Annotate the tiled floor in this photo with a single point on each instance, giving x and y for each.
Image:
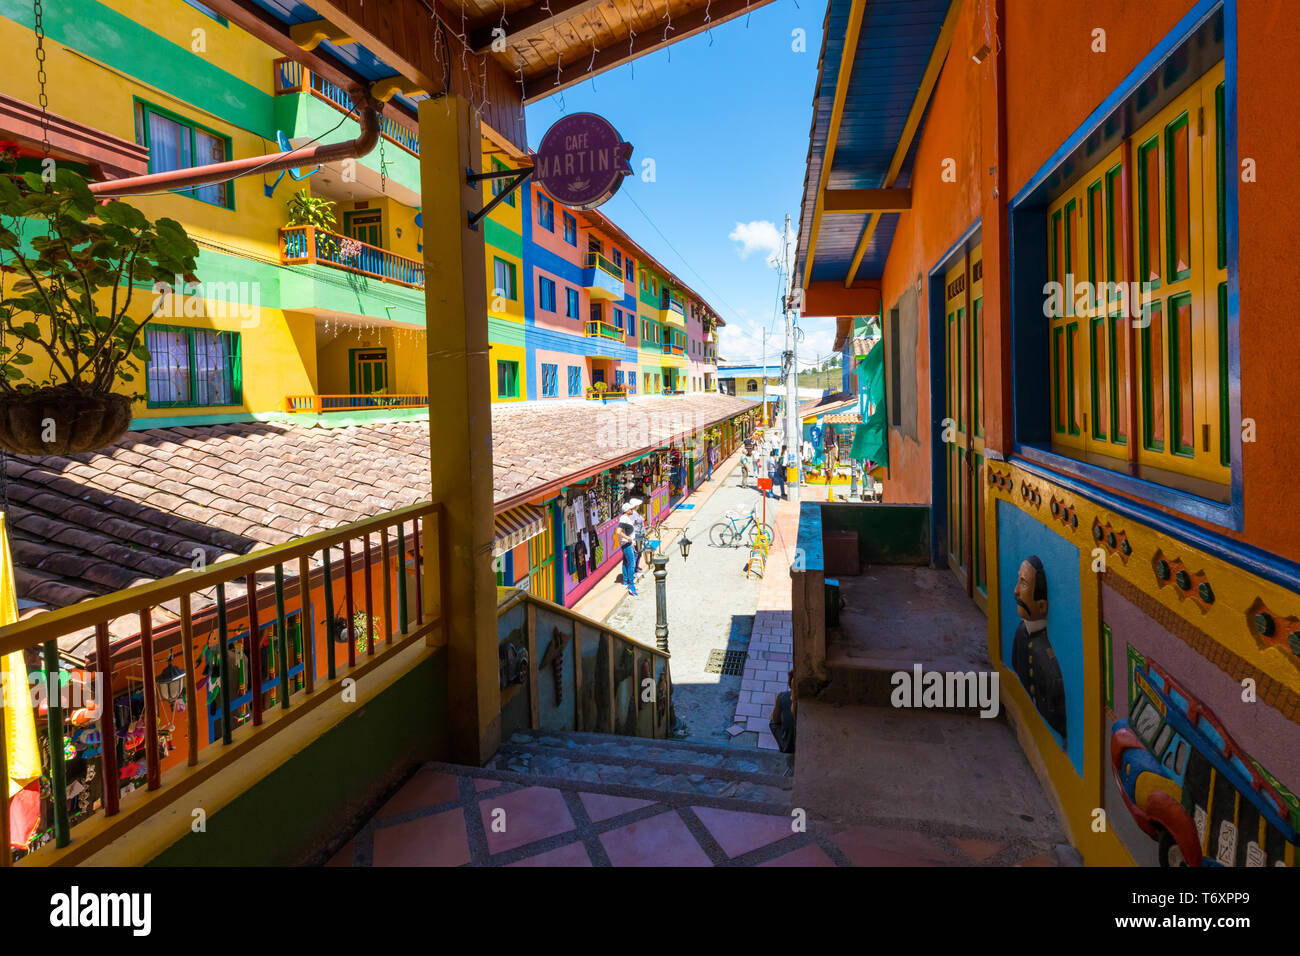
(454, 816)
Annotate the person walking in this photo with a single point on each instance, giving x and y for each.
(784, 460)
(774, 473)
(744, 468)
(623, 537)
(638, 537)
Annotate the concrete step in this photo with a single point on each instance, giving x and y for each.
(662, 766)
(859, 682)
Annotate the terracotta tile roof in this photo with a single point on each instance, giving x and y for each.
(827, 403)
(90, 524)
(846, 418)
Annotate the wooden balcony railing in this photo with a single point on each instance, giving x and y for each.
(669, 301)
(306, 244)
(595, 260)
(670, 349)
(595, 394)
(603, 330)
(327, 608)
(608, 698)
(290, 76)
(318, 404)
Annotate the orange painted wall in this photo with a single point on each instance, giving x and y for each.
(1046, 103)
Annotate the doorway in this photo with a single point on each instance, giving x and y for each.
(962, 433)
(368, 372)
(365, 225)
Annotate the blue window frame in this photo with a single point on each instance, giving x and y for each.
(629, 270)
(618, 378)
(550, 380)
(630, 382)
(203, 9)
(570, 229)
(618, 318)
(545, 212)
(546, 293)
(571, 303)
(575, 380)
(616, 257)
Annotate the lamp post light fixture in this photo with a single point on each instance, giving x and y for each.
(685, 544)
(171, 682)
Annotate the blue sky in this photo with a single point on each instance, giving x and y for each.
(726, 124)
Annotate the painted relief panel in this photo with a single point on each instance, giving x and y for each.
(1202, 763)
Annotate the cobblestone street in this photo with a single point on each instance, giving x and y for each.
(711, 606)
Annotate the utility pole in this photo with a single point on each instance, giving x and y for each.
(792, 423)
(763, 379)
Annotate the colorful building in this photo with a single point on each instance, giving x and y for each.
(1060, 227)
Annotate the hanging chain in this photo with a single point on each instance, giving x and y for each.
(383, 168)
(41, 78)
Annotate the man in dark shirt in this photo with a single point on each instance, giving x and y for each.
(782, 720)
(1032, 656)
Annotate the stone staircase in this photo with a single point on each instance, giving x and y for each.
(669, 770)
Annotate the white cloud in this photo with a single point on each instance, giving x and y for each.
(756, 236)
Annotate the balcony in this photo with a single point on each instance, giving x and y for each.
(327, 404)
(310, 246)
(292, 77)
(669, 349)
(601, 278)
(672, 310)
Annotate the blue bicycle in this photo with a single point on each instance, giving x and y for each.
(738, 525)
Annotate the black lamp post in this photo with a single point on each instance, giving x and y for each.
(660, 562)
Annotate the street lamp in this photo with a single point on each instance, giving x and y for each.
(171, 682)
(685, 545)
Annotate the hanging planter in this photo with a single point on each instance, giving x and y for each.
(70, 272)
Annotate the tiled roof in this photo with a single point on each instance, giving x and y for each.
(826, 404)
(90, 524)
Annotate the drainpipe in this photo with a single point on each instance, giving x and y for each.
(220, 172)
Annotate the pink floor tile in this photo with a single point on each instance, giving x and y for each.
(601, 806)
(427, 788)
(979, 850)
(345, 856)
(530, 815)
(482, 783)
(810, 855)
(877, 846)
(438, 840)
(739, 832)
(659, 841)
(571, 854)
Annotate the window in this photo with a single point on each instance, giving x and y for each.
(751, 385)
(618, 379)
(629, 270)
(645, 281)
(501, 185)
(570, 230)
(616, 257)
(550, 381)
(176, 143)
(618, 319)
(631, 382)
(192, 368)
(545, 212)
(507, 379)
(646, 375)
(575, 380)
(1173, 317)
(546, 293)
(571, 303)
(503, 275)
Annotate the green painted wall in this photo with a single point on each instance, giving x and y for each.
(290, 815)
(507, 240)
(887, 534)
(301, 114)
(505, 333)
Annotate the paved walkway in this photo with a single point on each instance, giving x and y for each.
(455, 816)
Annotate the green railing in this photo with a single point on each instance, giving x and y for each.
(596, 261)
(603, 330)
(290, 76)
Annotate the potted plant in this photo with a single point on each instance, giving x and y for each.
(66, 287)
(317, 212)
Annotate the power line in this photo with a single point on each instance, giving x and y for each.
(704, 281)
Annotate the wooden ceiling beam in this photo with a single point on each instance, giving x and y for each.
(866, 200)
(527, 22)
(392, 31)
(544, 83)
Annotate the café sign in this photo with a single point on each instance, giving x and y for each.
(582, 161)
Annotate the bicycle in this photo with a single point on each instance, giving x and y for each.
(727, 533)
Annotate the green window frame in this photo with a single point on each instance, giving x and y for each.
(1171, 198)
(1143, 216)
(1096, 379)
(1155, 317)
(1118, 425)
(1070, 264)
(192, 367)
(501, 185)
(191, 137)
(1174, 397)
(1221, 178)
(503, 277)
(1225, 446)
(1071, 337)
(507, 379)
(1114, 196)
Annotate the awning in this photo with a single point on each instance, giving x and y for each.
(516, 526)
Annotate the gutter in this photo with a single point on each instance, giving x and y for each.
(232, 169)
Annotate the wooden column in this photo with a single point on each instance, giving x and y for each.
(460, 425)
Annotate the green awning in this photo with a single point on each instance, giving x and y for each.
(871, 441)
